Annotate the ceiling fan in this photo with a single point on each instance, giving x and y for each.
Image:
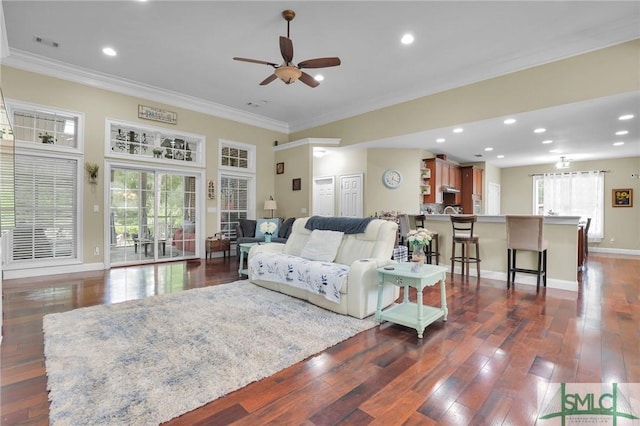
(287, 71)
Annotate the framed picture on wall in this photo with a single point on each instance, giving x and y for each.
(296, 184)
(622, 197)
(279, 168)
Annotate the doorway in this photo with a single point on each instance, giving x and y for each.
(493, 203)
(351, 198)
(324, 196)
(152, 216)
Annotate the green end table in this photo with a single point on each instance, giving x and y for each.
(244, 249)
(409, 314)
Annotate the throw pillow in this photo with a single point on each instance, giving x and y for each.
(322, 245)
(285, 229)
(247, 227)
(260, 234)
(189, 227)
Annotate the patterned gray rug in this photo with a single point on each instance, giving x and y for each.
(148, 361)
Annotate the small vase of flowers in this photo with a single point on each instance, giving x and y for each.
(268, 229)
(418, 239)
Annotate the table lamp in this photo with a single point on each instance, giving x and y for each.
(270, 204)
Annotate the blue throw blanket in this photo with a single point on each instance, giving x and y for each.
(348, 225)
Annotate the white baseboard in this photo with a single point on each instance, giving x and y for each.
(627, 252)
(527, 279)
(53, 270)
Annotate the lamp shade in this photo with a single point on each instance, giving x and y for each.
(288, 74)
(270, 205)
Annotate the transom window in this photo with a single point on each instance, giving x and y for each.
(43, 127)
(234, 155)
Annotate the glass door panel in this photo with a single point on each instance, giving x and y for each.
(153, 216)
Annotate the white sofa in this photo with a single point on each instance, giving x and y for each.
(363, 253)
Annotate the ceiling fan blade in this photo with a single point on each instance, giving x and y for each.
(308, 80)
(255, 61)
(319, 63)
(286, 48)
(268, 79)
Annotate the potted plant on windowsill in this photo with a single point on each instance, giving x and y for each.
(92, 170)
(47, 138)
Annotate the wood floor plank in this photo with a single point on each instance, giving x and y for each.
(484, 366)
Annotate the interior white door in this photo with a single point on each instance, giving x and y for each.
(351, 198)
(324, 196)
(493, 202)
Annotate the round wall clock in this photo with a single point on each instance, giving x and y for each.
(392, 178)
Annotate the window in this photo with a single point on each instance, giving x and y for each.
(48, 164)
(237, 185)
(572, 194)
(33, 125)
(234, 155)
(46, 208)
(234, 203)
(153, 144)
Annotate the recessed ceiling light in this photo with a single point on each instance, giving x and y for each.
(540, 130)
(618, 143)
(622, 132)
(488, 148)
(500, 156)
(458, 130)
(509, 121)
(319, 77)
(407, 39)
(555, 151)
(440, 140)
(109, 51)
(626, 117)
(547, 141)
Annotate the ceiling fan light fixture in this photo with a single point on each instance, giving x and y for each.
(288, 74)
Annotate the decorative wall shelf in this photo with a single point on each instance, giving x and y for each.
(128, 140)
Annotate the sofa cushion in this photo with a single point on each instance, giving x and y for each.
(285, 229)
(189, 227)
(259, 222)
(248, 227)
(322, 245)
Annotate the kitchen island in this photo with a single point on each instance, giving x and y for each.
(562, 255)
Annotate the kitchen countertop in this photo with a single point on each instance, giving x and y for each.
(550, 220)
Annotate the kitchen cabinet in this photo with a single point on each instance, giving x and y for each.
(471, 189)
(440, 173)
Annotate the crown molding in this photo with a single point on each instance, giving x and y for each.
(308, 141)
(4, 44)
(41, 65)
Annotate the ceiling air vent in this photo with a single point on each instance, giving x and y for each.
(45, 41)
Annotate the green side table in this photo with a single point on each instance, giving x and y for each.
(244, 249)
(414, 315)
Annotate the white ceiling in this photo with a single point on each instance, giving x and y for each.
(185, 48)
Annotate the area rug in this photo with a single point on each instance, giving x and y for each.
(148, 361)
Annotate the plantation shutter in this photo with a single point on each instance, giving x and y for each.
(46, 208)
(234, 202)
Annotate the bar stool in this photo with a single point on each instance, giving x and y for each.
(433, 249)
(526, 232)
(463, 235)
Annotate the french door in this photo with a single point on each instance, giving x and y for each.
(152, 215)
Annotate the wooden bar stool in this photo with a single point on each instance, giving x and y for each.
(463, 235)
(526, 232)
(433, 249)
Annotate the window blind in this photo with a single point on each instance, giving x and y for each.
(234, 202)
(46, 208)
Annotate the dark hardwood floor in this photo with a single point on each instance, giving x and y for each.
(485, 365)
